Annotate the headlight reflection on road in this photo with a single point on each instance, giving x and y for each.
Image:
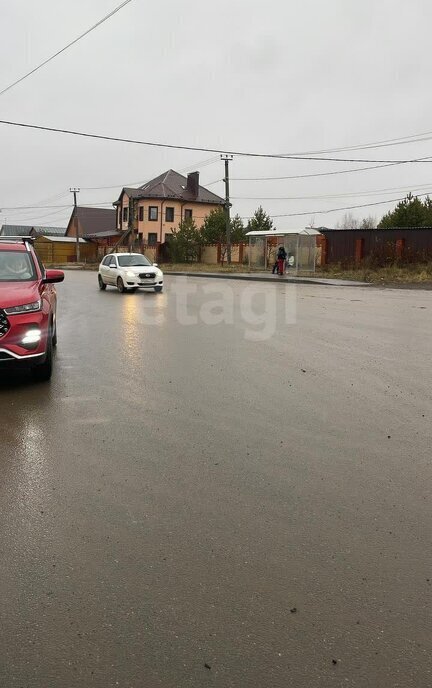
(130, 328)
(33, 476)
(139, 312)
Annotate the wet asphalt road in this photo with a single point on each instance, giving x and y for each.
(178, 491)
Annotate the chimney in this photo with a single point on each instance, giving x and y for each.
(193, 183)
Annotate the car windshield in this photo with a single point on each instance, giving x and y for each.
(134, 260)
(16, 266)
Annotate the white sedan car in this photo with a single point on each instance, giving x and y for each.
(129, 272)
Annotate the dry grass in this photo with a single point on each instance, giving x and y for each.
(391, 274)
(203, 267)
(171, 267)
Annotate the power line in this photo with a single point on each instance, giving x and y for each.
(154, 144)
(385, 143)
(308, 212)
(377, 192)
(23, 208)
(334, 210)
(245, 217)
(412, 138)
(66, 47)
(34, 218)
(38, 204)
(43, 207)
(316, 174)
(204, 163)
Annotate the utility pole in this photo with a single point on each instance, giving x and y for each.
(132, 223)
(75, 190)
(227, 159)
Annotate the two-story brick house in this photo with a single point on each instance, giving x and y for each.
(161, 204)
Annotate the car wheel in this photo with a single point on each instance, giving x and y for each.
(54, 337)
(158, 289)
(102, 285)
(120, 285)
(43, 372)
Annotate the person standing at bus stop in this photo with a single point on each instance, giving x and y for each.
(281, 258)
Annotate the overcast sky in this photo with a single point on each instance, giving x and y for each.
(275, 76)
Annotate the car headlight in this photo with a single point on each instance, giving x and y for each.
(32, 337)
(26, 308)
(129, 273)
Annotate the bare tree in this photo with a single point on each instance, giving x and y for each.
(368, 222)
(348, 222)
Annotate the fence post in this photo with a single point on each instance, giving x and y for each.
(400, 246)
(322, 242)
(359, 250)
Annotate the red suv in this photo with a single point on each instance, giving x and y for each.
(27, 308)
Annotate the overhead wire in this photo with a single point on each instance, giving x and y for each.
(377, 192)
(66, 47)
(43, 207)
(384, 143)
(38, 204)
(34, 218)
(308, 212)
(247, 154)
(204, 163)
(334, 210)
(316, 174)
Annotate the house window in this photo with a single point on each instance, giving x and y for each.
(153, 213)
(152, 238)
(169, 215)
(141, 213)
(125, 214)
(188, 213)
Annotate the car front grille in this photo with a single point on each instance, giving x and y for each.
(4, 324)
(147, 275)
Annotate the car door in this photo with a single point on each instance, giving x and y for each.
(113, 270)
(104, 269)
(107, 272)
(47, 291)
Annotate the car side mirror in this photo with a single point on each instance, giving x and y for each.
(155, 265)
(53, 276)
(113, 265)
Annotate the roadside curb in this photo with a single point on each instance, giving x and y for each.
(247, 277)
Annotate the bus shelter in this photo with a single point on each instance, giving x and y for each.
(300, 246)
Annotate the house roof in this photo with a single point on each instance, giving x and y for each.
(49, 231)
(375, 229)
(104, 235)
(95, 220)
(173, 185)
(15, 230)
(63, 239)
(284, 232)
